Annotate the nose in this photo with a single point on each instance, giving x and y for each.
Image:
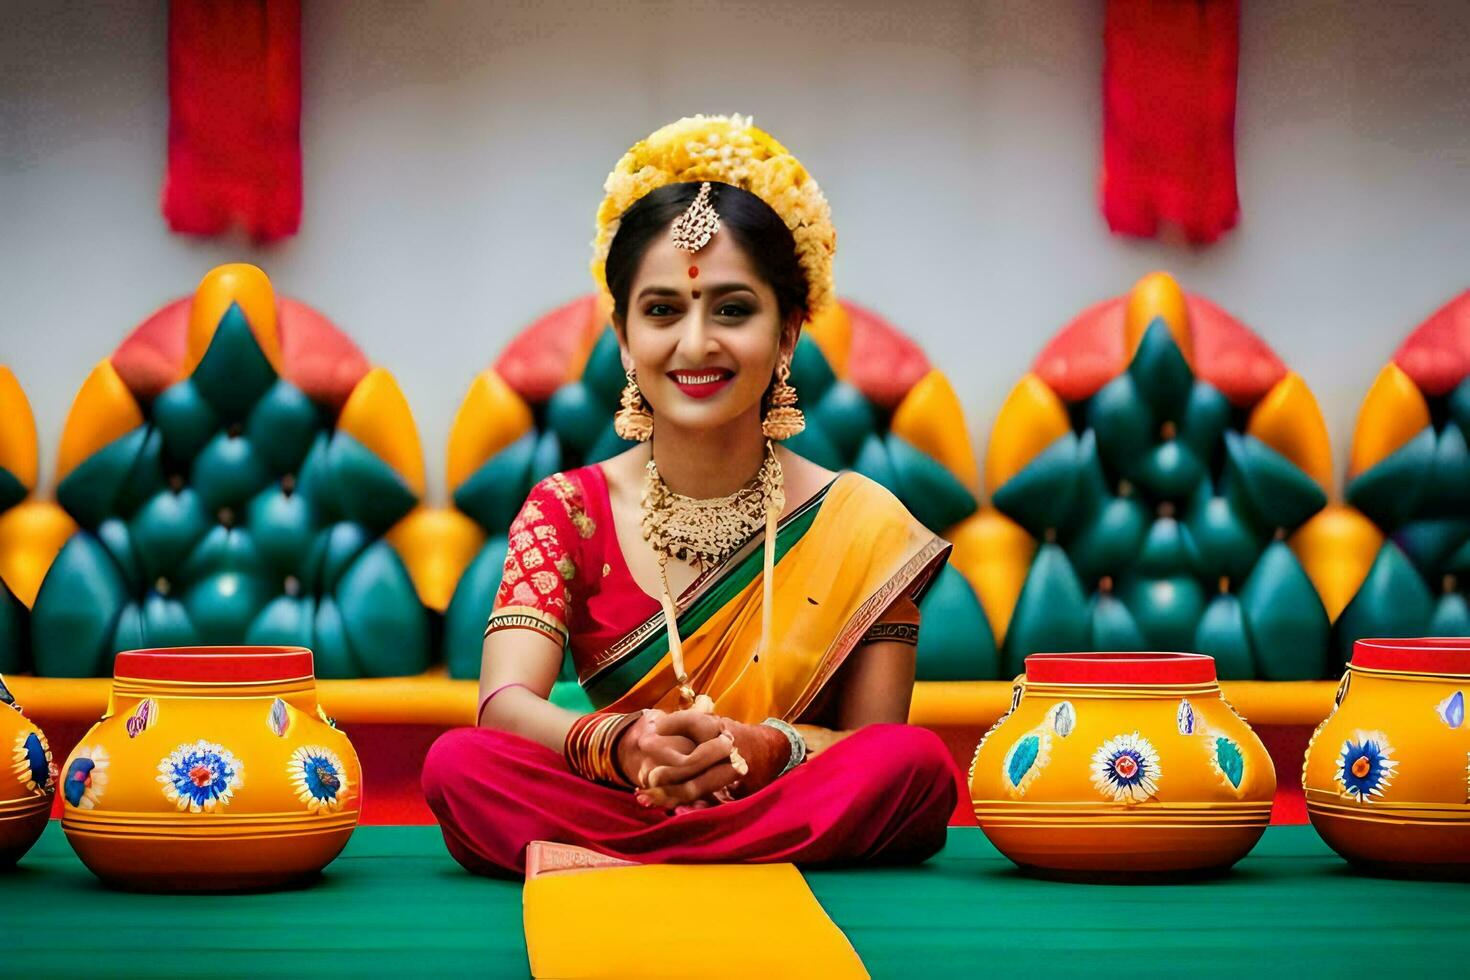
(697, 340)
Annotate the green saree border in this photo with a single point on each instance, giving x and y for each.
(635, 655)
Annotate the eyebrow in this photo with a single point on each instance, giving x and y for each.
(719, 288)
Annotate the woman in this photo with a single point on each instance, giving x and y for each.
(759, 715)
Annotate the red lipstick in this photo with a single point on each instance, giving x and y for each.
(701, 384)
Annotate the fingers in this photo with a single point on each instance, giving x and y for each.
(692, 724)
(701, 786)
(703, 757)
(665, 750)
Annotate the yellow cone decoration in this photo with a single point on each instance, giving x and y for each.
(103, 410)
(993, 553)
(377, 415)
(931, 419)
(1031, 419)
(1289, 421)
(491, 417)
(1393, 412)
(1157, 295)
(1337, 548)
(240, 283)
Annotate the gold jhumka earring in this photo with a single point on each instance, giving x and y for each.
(633, 420)
(783, 419)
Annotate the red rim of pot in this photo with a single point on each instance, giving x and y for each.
(1120, 668)
(1426, 654)
(243, 664)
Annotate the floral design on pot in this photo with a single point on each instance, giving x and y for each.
(320, 778)
(1126, 769)
(33, 765)
(86, 777)
(1365, 766)
(200, 776)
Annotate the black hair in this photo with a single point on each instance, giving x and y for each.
(755, 226)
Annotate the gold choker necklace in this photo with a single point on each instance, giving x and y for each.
(706, 532)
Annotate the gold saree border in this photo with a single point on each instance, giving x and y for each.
(913, 577)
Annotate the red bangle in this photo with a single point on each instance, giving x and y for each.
(591, 746)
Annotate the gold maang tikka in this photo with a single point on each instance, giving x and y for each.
(697, 225)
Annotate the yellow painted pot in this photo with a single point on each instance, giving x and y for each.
(214, 769)
(1121, 765)
(1387, 774)
(27, 781)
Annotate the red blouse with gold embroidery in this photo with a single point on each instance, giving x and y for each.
(565, 574)
(540, 574)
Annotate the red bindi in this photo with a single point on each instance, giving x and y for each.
(694, 272)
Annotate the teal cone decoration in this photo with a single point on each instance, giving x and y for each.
(236, 513)
(1162, 527)
(1419, 495)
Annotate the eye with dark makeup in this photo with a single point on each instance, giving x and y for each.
(732, 311)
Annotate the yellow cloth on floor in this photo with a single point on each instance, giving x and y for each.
(664, 920)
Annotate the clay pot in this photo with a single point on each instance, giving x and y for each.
(1118, 765)
(27, 781)
(214, 769)
(1387, 773)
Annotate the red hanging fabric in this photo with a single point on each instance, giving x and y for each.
(234, 130)
(1169, 116)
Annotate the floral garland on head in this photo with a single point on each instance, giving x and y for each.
(727, 150)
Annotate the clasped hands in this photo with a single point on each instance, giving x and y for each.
(683, 759)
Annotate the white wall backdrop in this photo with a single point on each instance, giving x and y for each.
(454, 156)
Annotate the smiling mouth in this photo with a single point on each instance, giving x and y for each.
(701, 384)
(699, 378)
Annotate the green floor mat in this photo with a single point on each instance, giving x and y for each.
(1291, 908)
(395, 903)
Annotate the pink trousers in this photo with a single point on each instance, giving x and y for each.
(882, 795)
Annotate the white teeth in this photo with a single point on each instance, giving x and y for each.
(697, 379)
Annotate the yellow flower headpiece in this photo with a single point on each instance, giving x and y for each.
(730, 150)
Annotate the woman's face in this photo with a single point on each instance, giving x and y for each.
(703, 333)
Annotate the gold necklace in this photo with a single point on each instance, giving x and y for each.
(706, 532)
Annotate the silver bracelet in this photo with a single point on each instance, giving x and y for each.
(798, 744)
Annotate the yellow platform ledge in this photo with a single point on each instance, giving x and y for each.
(433, 699)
